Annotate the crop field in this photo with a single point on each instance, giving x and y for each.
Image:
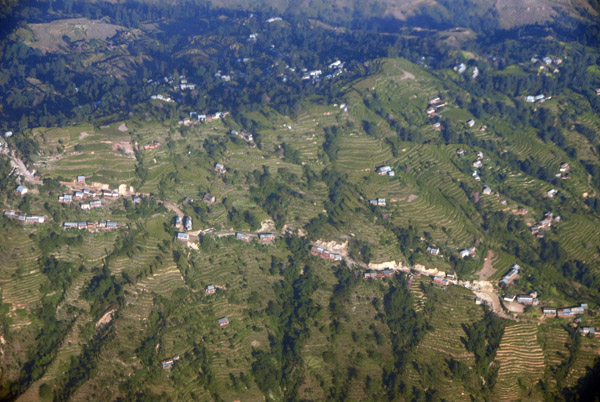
(521, 362)
(101, 155)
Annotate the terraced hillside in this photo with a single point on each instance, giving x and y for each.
(132, 312)
(521, 363)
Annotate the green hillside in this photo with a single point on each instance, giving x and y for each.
(276, 167)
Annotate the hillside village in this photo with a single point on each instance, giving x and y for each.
(246, 206)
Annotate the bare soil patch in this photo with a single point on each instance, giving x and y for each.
(123, 146)
(488, 268)
(412, 197)
(123, 127)
(83, 135)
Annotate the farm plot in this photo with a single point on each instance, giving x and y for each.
(521, 362)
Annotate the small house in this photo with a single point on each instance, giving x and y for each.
(552, 193)
(65, 199)
(187, 222)
(369, 275)
(525, 299)
(78, 195)
(96, 204)
(243, 236)
(383, 170)
(440, 281)
(477, 164)
(137, 200)
(471, 123)
(487, 190)
(167, 363)
(335, 257)
(511, 276)
(223, 322)
(437, 126)
(266, 237)
(183, 236)
(209, 198)
(210, 290)
(461, 152)
(387, 273)
(86, 206)
(465, 253)
(22, 190)
(433, 251)
(478, 301)
(81, 179)
(548, 311)
(509, 298)
(219, 168)
(529, 99)
(381, 202)
(564, 313)
(111, 225)
(588, 330)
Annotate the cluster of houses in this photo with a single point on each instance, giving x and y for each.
(433, 106)
(537, 98)
(385, 171)
(104, 225)
(563, 171)
(23, 217)
(544, 225)
(163, 98)
(263, 238)
(168, 363)
(565, 312)
(184, 84)
(386, 273)
(379, 202)
(462, 68)
(186, 223)
(478, 164)
(546, 63)
(529, 299)
(152, 145)
(86, 194)
(336, 69)
(325, 254)
(202, 118)
(245, 135)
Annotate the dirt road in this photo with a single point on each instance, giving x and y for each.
(19, 165)
(488, 268)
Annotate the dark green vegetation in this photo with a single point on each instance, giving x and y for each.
(90, 315)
